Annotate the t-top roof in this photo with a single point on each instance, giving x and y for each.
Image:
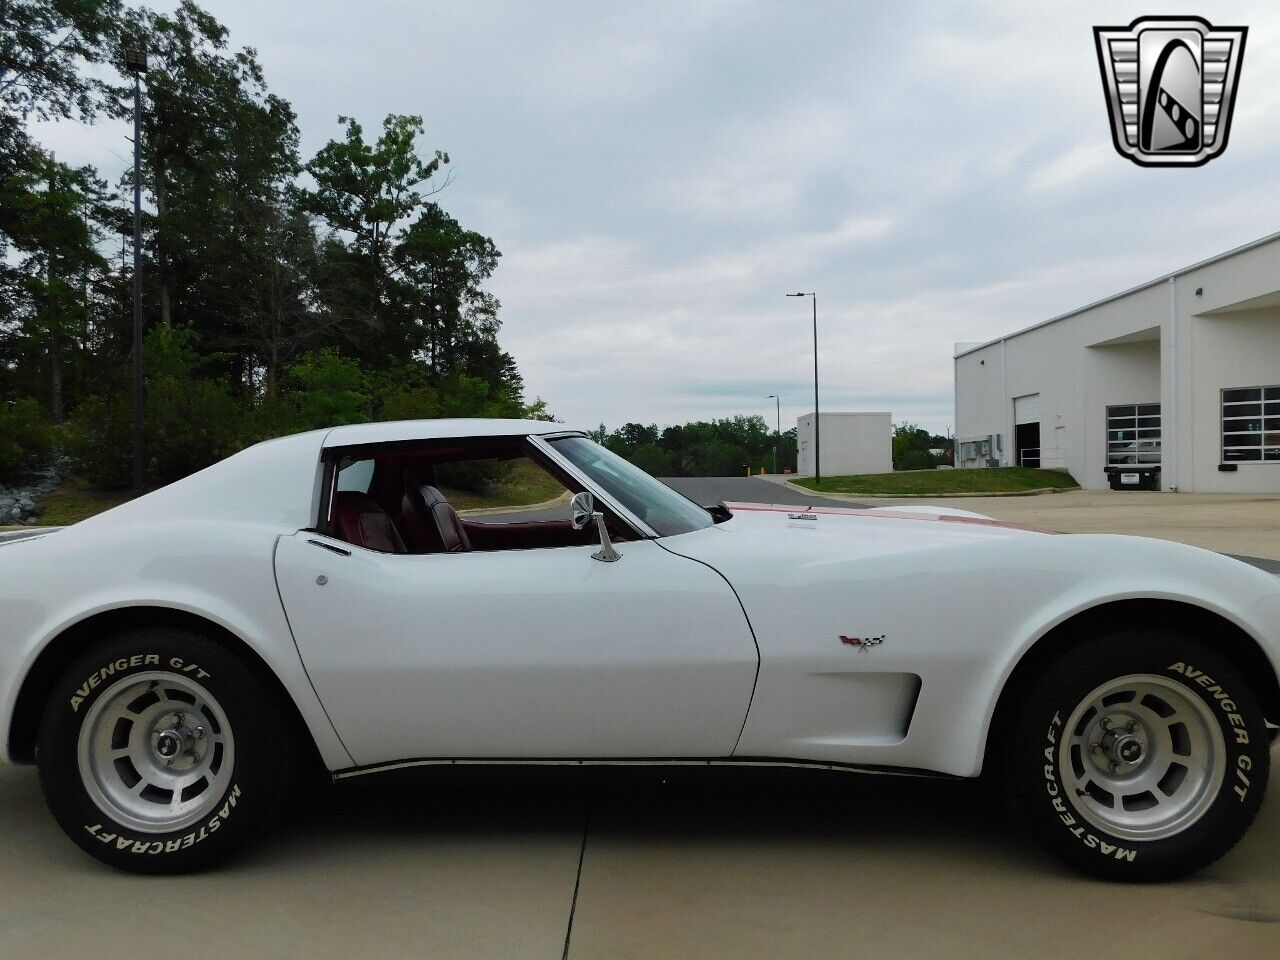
(357, 434)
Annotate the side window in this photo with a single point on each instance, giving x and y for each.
(502, 491)
(452, 496)
(355, 476)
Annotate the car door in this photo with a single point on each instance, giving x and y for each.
(519, 654)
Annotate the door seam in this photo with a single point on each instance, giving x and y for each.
(275, 576)
(755, 683)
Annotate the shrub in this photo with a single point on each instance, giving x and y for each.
(26, 439)
(916, 460)
(188, 423)
(98, 441)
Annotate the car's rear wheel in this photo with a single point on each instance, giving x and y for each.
(1141, 754)
(161, 751)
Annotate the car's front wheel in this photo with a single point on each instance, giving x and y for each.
(161, 751)
(1141, 754)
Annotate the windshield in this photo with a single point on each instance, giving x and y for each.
(651, 500)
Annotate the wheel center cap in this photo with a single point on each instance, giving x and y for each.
(1126, 748)
(170, 743)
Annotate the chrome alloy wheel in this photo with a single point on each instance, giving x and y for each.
(156, 752)
(1143, 757)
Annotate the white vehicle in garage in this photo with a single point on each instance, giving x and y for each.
(173, 665)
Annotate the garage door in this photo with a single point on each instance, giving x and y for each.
(1026, 409)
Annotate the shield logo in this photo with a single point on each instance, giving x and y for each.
(1170, 84)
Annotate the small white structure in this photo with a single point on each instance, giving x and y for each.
(851, 443)
(1174, 384)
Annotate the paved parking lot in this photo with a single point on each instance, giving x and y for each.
(1244, 525)
(1241, 524)
(698, 864)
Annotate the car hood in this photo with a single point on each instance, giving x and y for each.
(14, 536)
(869, 531)
(797, 541)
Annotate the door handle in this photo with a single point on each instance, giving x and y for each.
(330, 547)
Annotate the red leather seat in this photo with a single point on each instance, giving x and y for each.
(358, 519)
(432, 525)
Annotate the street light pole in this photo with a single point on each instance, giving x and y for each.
(135, 61)
(777, 435)
(817, 418)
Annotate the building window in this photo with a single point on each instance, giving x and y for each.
(1251, 425)
(1133, 435)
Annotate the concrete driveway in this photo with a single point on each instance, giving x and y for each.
(695, 864)
(1239, 524)
(1244, 526)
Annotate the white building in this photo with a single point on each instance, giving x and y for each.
(851, 443)
(1177, 380)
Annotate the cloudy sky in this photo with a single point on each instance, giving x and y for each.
(659, 175)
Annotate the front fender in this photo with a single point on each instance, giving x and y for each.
(1149, 570)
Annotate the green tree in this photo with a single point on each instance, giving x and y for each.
(45, 46)
(363, 193)
(271, 306)
(219, 152)
(52, 217)
(447, 317)
(724, 447)
(912, 446)
(46, 220)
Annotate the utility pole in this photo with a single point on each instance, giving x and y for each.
(817, 417)
(52, 306)
(135, 61)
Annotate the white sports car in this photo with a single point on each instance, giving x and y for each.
(365, 598)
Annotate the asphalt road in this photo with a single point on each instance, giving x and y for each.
(713, 490)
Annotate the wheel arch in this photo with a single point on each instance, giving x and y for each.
(1227, 637)
(52, 659)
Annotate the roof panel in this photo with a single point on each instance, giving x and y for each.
(399, 430)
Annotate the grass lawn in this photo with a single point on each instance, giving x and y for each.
(72, 502)
(526, 484)
(988, 480)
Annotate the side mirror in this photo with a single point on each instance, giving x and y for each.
(583, 507)
(583, 511)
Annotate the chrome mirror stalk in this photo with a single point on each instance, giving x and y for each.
(582, 511)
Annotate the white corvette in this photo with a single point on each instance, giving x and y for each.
(173, 665)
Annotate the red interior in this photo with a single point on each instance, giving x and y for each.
(404, 512)
(360, 519)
